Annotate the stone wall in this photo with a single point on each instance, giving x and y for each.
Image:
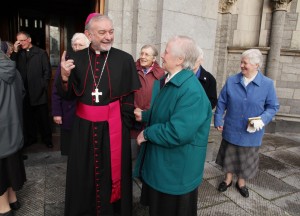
(224, 29)
(140, 22)
(288, 84)
(241, 34)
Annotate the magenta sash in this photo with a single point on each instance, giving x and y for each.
(112, 114)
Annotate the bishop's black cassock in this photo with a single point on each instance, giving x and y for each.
(93, 182)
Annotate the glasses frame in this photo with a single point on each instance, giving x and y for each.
(23, 40)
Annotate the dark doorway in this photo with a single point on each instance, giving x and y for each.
(36, 17)
(51, 24)
(34, 24)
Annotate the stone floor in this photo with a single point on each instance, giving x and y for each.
(274, 191)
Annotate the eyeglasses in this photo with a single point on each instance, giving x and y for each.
(147, 55)
(78, 45)
(23, 40)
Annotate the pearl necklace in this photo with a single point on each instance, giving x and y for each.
(96, 93)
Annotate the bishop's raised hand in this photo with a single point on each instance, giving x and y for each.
(66, 66)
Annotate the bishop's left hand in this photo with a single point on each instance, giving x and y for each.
(138, 114)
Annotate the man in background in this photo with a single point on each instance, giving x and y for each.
(206, 79)
(34, 66)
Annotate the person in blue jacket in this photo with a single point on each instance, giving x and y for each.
(247, 102)
(173, 145)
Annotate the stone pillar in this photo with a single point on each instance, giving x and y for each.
(222, 40)
(277, 27)
(225, 5)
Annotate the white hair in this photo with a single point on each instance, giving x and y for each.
(201, 53)
(97, 17)
(154, 50)
(81, 36)
(186, 48)
(254, 56)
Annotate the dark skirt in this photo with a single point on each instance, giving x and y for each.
(65, 141)
(239, 160)
(161, 204)
(12, 173)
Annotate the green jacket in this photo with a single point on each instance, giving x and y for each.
(172, 160)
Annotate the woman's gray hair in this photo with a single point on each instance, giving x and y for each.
(82, 36)
(254, 56)
(186, 48)
(155, 52)
(201, 53)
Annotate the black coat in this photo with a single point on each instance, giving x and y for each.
(36, 73)
(210, 86)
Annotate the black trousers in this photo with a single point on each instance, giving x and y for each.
(36, 119)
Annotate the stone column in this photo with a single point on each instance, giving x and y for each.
(222, 40)
(277, 27)
(225, 5)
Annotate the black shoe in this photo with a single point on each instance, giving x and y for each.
(9, 213)
(223, 186)
(30, 142)
(33, 141)
(50, 145)
(243, 190)
(15, 205)
(24, 157)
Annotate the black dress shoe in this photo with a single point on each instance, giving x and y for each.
(15, 205)
(24, 157)
(243, 190)
(9, 213)
(223, 186)
(50, 145)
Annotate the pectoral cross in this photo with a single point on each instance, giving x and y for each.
(96, 93)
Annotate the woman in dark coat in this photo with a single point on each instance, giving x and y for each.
(63, 111)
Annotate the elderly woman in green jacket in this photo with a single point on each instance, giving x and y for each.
(173, 145)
